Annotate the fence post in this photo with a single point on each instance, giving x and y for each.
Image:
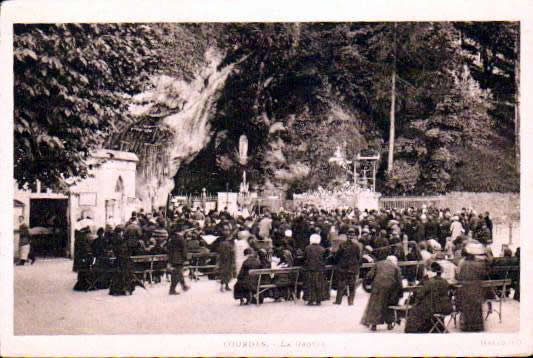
(510, 232)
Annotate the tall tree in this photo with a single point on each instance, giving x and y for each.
(494, 59)
(392, 118)
(72, 83)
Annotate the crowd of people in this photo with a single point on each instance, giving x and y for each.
(446, 245)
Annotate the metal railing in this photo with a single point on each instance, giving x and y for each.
(404, 202)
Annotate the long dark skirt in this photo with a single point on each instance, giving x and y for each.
(419, 320)
(316, 287)
(242, 289)
(84, 277)
(377, 308)
(470, 304)
(123, 280)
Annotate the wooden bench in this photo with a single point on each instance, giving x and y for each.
(400, 263)
(405, 307)
(493, 285)
(196, 267)
(272, 273)
(147, 261)
(504, 272)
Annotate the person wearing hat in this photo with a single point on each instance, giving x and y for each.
(386, 291)
(348, 258)
(470, 295)
(431, 298)
(245, 285)
(83, 255)
(133, 231)
(82, 247)
(100, 244)
(226, 258)
(316, 287)
(123, 281)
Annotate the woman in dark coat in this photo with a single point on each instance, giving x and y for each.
(245, 285)
(226, 265)
(470, 295)
(123, 280)
(83, 260)
(284, 281)
(433, 297)
(316, 287)
(386, 291)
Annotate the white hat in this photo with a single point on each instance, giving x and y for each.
(434, 244)
(288, 233)
(392, 259)
(242, 235)
(315, 239)
(475, 249)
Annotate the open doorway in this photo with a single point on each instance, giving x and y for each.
(49, 227)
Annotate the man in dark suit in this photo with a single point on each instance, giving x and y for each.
(348, 258)
(177, 257)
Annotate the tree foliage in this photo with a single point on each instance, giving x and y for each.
(72, 83)
(298, 91)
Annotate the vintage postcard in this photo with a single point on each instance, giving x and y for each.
(230, 178)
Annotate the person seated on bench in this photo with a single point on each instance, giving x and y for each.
(470, 295)
(499, 262)
(246, 285)
(284, 281)
(431, 298)
(414, 272)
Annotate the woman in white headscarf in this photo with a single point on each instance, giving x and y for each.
(316, 287)
(386, 291)
(241, 244)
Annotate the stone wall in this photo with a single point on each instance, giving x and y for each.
(503, 207)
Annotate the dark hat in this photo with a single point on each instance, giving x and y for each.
(436, 267)
(85, 229)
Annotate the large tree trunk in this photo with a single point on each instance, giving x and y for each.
(392, 129)
(517, 100)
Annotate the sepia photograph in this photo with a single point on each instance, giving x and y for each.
(265, 179)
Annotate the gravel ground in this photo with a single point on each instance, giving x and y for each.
(45, 304)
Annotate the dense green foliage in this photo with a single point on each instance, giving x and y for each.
(302, 90)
